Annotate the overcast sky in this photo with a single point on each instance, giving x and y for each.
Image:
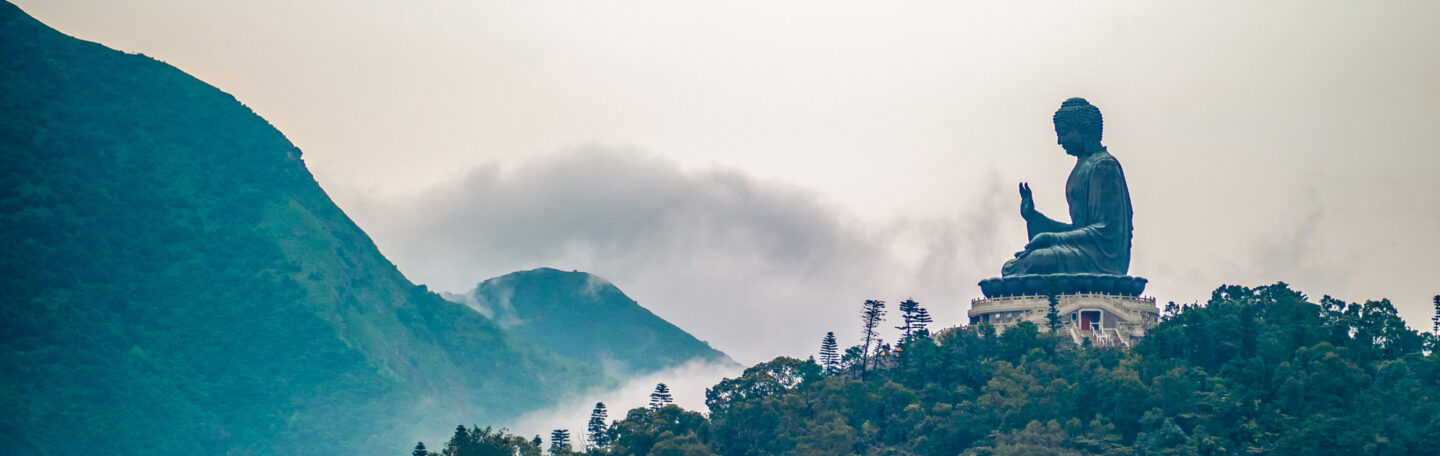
(753, 171)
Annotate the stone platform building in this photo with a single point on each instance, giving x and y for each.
(1106, 320)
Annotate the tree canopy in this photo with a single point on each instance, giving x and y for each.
(1254, 370)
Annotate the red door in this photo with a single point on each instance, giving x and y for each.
(1088, 318)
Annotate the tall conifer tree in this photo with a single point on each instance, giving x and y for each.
(907, 318)
(661, 397)
(458, 441)
(921, 326)
(1436, 319)
(596, 429)
(916, 319)
(871, 313)
(830, 353)
(560, 441)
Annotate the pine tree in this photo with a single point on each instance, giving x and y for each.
(596, 429)
(871, 313)
(907, 315)
(458, 442)
(916, 318)
(560, 441)
(830, 353)
(537, 441)
(420, 450)
(661, 397)
(1436, 318)
(921, 326)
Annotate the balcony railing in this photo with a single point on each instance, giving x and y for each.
(1148, 299)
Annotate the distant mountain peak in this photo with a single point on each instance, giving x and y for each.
(585, 317)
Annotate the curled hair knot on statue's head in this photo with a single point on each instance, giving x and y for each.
(1083, 116)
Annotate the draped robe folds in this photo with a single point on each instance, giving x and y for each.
(1098, 239)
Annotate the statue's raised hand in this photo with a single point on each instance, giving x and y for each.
(1027, 203)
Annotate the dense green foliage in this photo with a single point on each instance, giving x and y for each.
(1257, 371)
(176, 282)
(482, 442)
(586, 318)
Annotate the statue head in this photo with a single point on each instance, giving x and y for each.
(1078, 126)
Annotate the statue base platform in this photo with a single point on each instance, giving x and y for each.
(1105, 320)
(1055, 284)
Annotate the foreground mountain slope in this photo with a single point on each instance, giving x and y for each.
(176, 282)
(586, 318)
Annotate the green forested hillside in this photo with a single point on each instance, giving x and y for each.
(174, 281)
(588, 319)
(1254, 371)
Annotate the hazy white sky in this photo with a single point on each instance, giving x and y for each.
(752, 171)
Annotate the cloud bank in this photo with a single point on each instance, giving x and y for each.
(756, 268)
(687, 385)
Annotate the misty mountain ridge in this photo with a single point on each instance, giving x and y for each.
(585, 318)
(177, 282)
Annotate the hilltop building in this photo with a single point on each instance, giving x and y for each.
(1106, 319)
